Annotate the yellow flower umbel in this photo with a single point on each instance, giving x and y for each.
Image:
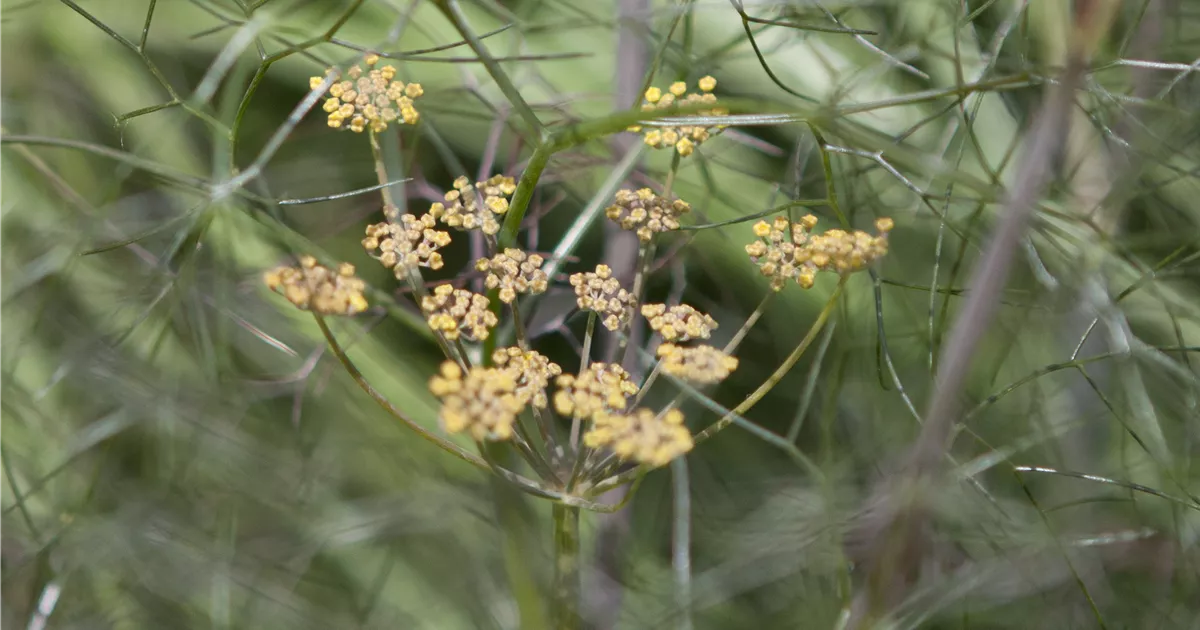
(702, 364)
(406, 243)
(600, 292)
(458, 312)
(684, 138)
(646, 213)
(483, 402)
(679, 323)
(801, 256)
(513, 271)
(370, 98)
(642, 436)
(470, 207)
(600, 390)
(531, 370)
(775, 251)
(318, 288)
(846, 252)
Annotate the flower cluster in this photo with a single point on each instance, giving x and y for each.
(846, 252)
(679, 323)
(531, 370)
(318, 288)
(801, 256)
(406, 242)
(470, 207)
(369, 98)
(513, 271)
(600, 390)
(483, 402)
(642, 436)
(458, 312)
(684, 138)
(646, 213)
(700, 364)
(599, 291)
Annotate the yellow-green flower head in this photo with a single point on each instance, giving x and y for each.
(804, 254)
(483, 402)
(476, 207)
(678, 323)
(531, 370)
(458, 312)
(700, 364)
(370, 98)
(642, 436)
(513, 271)
(599, 291)
(601, 389)
(775, 251)
(319, 289)
(846, 252)
(646, 213)
(406, 243)
(684, 138)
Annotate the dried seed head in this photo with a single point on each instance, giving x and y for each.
(318, 288)
(685, 138)
(531, 370)
(646, 213)
(513, 271)
(454, 312)
(369, 98)
(483, 402)
(406, 243)
(642, 436)
(601, 389)
(700, 364)
(600, 292)
(678, 323)
(476, 207)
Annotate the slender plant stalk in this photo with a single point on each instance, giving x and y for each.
(645, 387)
(748, 324)
(413, 276)
(779, 373)
(519, 326)
(362, 382)
(381, 171)
(584, 359)
(565, 611)
(681, 541)
(734, 414)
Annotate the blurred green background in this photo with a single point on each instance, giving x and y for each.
(179, 450)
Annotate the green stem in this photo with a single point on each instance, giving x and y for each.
(779, 373)
(584, 359)
(644, 259)
(518, 326)
(748, 324)
(681, 541)
(523, 195)
(565, 612)
(647, 383)
(381, 172)
(413, 275)
(453, 13)
(355, 374)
